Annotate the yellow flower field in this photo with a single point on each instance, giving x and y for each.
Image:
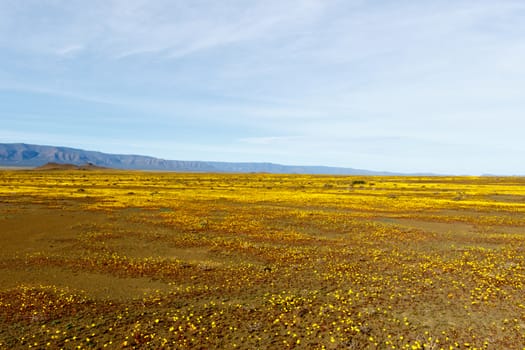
(111, 259)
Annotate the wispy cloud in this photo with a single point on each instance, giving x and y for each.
(268, 140)
(133, 27)
(70, 50)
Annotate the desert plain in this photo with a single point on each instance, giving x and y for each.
(144, 260)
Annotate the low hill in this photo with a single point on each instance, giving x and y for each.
(26, 155)
(62, 166)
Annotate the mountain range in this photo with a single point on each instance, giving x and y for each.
(27, 155)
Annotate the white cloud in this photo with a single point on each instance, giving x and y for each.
(70, 50)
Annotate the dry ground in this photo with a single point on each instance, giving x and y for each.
(150, 260)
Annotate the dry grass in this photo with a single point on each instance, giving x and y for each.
(149, 260)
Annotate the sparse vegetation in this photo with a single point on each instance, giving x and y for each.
(157, 260)
(358, 182)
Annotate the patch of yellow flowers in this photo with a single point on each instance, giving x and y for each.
(314, 262)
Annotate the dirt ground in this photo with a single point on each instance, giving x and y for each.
(201, 261)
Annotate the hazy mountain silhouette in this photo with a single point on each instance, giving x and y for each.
(26, 155)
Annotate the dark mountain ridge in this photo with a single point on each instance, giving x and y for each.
(27, 155)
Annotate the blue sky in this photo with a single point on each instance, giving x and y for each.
(409, 86)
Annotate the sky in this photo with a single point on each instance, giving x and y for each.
(405, 86)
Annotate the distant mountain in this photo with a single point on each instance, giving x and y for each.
(289, 169)
(25, 155)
